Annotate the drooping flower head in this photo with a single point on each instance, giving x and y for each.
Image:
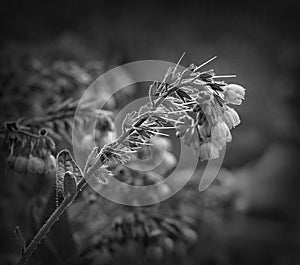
(209, 129)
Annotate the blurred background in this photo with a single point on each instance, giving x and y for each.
(256, 40)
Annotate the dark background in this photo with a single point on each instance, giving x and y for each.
(257, 40)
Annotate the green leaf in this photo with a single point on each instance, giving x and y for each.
(65, 163)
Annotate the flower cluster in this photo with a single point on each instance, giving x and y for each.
(194, 103)
(207, 125)
(209, 131)
(160, 235)
(29, 153)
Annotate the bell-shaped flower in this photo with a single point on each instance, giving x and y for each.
(220, 134)
(234, 94)
(231, 117)
(208, 151)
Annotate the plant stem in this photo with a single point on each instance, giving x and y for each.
(44, 230)
(55, 216)
(68, 200)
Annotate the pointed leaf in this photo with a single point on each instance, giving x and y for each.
(182, 94)
(170, 105)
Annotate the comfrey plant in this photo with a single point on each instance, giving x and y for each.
(192, 102)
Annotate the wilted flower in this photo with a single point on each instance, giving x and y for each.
(208, 151)
(234, 94)
(220, 134)
(231, 117)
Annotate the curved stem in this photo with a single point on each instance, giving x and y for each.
(44, 230)
(55, 216)
(68, 200)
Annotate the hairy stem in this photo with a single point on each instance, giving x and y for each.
(68, 200)
(55, 216)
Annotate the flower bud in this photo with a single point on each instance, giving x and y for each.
(163, 189)
(220, 134)
(169, 162)
(190, 235)
(234, 94)
(40, 165)
(87, 142)
(208, 151)
(203, 96)
(35, 165)
(43, 152)
(10, 161)
(161, 143)
(231, 117)
(32, 165)
(21, 164)
(50, 164)
(168, 244)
